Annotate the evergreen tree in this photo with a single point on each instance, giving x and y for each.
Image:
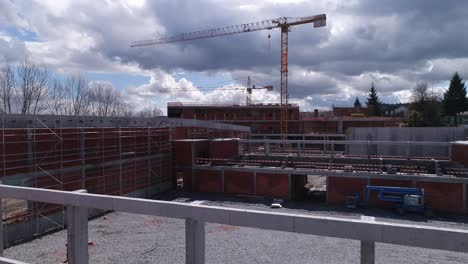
(357, 103)
(373, 103)
(455, 100)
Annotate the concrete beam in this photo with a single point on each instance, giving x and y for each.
(357, 229)
(345, 142)
(194, 241)
(77, 234)
(340, 173)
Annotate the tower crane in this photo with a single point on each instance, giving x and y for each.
(284, 23)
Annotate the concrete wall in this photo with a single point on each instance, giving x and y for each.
(433, 134)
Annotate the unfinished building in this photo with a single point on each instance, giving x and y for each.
(143, 157)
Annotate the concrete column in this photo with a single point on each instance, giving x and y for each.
(368, 150)
(222, 181)
(464, 209)
(193, 166)
(83, 159)
(255, 183)
(194, 241)
(408, 150)
(340, 126)
(332, 151)
(367, 252)
(120, 163)
(77, 234)
(148, 161)
(450, 151)
(267, 148)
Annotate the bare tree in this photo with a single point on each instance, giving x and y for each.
(125, 110)
(7, 86)
(150, 111)
(427, 103)
(56, 98)
(104, 99)
(32, 85)
(75, 96)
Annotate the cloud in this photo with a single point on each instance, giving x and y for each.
(394, 44)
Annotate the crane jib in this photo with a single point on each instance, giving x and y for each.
(284, 23)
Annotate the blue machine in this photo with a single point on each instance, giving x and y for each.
(404, 198)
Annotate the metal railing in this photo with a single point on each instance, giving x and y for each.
(364, 148)
(367, 231)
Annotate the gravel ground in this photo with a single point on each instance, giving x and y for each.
(128, 238)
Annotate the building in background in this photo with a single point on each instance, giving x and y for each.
(261, 118)
(355, 111)
(265, 118)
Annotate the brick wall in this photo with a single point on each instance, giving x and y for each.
(440, 196)
(460, 152)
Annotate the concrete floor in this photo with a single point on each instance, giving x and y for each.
(128, 238)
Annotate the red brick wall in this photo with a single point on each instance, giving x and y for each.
(460, 153)
(183, 150)
(443, 196)
(272, 185)
(338, 188)
(242, 183)
(208, 181)
(238, 183)
(224, 149)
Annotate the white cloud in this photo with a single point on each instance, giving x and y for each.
(392, 45)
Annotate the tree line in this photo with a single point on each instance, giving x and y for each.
(427, 107)
(29, 88)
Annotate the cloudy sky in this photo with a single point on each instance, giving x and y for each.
(394, 44)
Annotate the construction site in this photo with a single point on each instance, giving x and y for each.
(253, 183)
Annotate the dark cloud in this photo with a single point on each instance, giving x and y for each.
(392, 43)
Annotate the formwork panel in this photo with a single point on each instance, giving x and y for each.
(208, 181)
(237, 182)
(224, 149)
(443, 196)
(460, 153)
(272, 185)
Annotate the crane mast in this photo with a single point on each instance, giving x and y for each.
(284, 23)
